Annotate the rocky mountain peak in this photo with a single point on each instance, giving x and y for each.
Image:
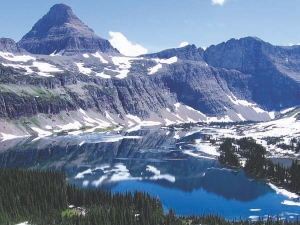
(244, 54)
(9, 45)
(189, 52)
(60, 30)
(60, 14)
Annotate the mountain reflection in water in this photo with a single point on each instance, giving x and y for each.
(149, 160)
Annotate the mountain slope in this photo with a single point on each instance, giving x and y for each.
(189, 52)
(60, 31)
(78, 81)
(9, 45)
(275, 70)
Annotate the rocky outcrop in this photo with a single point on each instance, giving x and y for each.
(274, 70)
(61, 32)
(205, 88)
(136, 95)
(236, 79)
(189, 52)
(9, 45)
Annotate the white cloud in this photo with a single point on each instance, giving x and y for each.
(218, 2)
(291, 44)
(120, 42)
(182, 44)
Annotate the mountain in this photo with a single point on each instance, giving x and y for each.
(9, 45)
(68, 78)
(274, 70)
(189, 52)
(60, 31)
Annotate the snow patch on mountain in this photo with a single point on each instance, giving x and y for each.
(83, 69)
(11, 136)
(60, 53)
(45, 68)
(241, 117)
(86, 56)
(16, 58)
(159, 62)
(237, 101)
(123, 64)
(171, 60)
(103, 75)
(138, 123)
(97, 55)
(154, 69)
(17, 61)
(41, 132)
(18, 66)
(224, 119)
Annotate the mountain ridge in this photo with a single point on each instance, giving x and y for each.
(61, 30)
(78, 84)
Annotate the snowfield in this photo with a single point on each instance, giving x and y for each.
(16, 58)
(159, 66)
(123, 64)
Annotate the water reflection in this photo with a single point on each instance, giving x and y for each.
(148, 160)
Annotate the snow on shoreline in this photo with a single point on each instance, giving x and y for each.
(283, 192)
(191, 153)
(206, 148)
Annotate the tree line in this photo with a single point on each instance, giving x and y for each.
(41, 197)
(257, 163)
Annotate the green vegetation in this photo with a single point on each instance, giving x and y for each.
(70, 212)
(34, 121)
(273, 140)
(298, 116)
(225, 124)
(43, 93)
(43, 197)
(62, 133)
(104, 129)
(257, 164)
(294, 143)
(187, 126)
(228, 156)
(31, 195)
(84, 128)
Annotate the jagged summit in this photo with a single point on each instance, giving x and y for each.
(9, 45)
(60, 30)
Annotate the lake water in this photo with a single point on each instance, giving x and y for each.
(153, 161)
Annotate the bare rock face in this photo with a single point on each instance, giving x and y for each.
(189, 52)
(9, 45)
(233, 79)
(60, 31)
(274, 70)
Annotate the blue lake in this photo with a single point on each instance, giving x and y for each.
(155, 162)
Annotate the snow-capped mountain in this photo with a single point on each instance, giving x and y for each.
(69, 78)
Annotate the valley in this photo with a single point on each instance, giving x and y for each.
(71, 102)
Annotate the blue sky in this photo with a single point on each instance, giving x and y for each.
(156, 25)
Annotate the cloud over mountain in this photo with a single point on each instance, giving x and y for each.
(183, 44)
(120, 42)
